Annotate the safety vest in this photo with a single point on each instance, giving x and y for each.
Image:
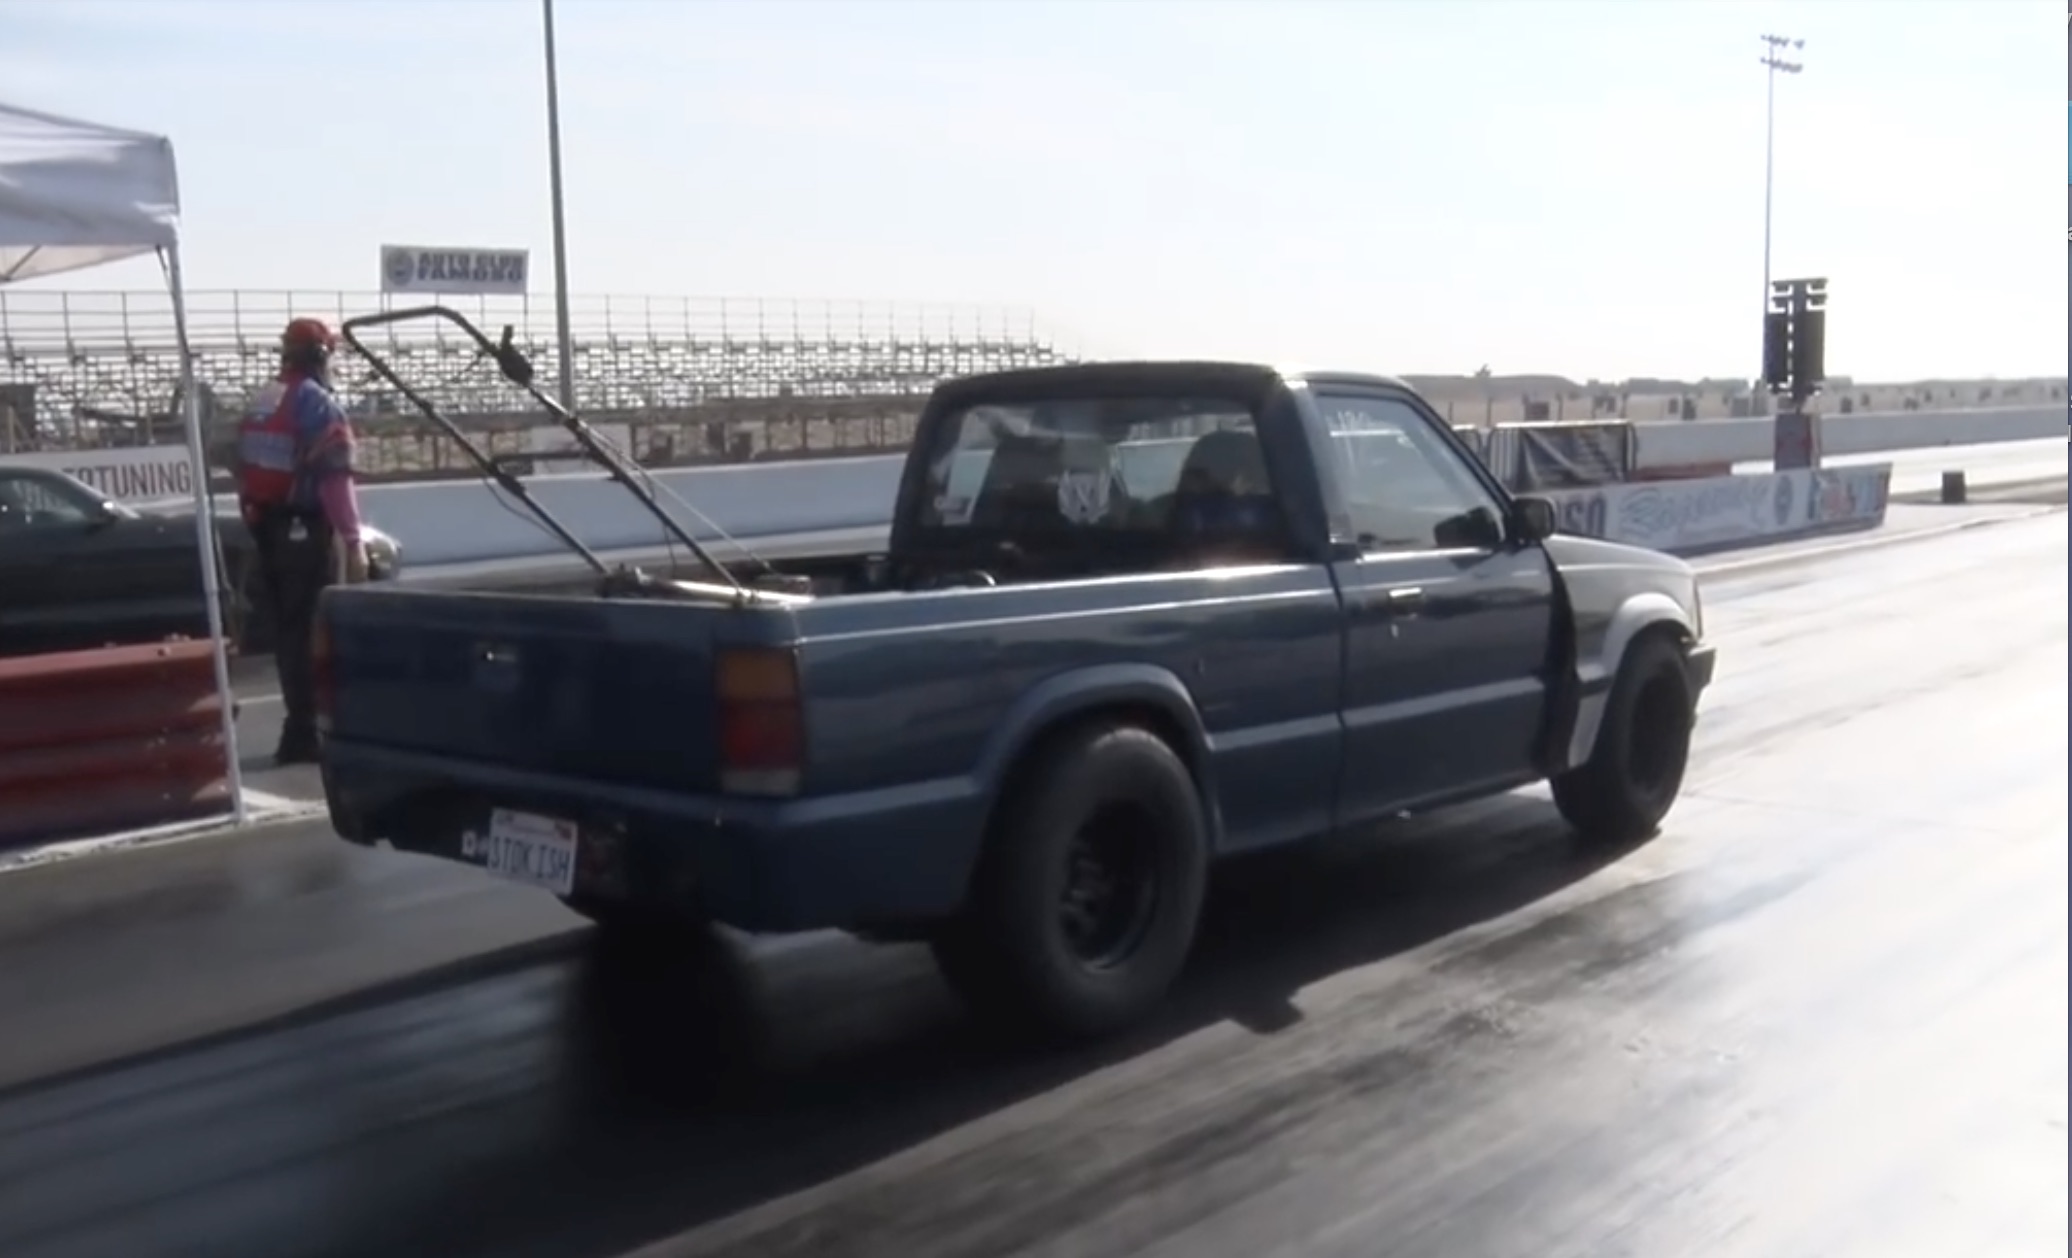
(269, 450)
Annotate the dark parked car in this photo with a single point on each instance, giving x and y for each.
(1134, 618)
(78, 571)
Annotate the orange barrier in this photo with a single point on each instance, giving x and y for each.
(93, 741)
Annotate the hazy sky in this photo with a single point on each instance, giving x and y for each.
(1569, 187)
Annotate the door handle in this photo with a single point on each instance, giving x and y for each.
(1404, 598)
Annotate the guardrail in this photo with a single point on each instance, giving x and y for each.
(95, 741)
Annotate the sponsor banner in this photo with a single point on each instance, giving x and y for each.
(1727, 510)
(1568, 455)
(132, 475)
(447, 269)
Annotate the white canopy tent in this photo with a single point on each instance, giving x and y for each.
(77, 194)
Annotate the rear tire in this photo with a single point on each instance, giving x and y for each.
(1084, 908)
(1631, 780)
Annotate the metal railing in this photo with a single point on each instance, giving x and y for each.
(39, 323)
(98, 368)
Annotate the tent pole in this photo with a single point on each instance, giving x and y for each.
(205, 530)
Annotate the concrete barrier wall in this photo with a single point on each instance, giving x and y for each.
(453, 522)
(1740, 440)
(468, 521)
(465, 522)
(1723, 512)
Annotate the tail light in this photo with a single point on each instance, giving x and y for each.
(762, 730)
(321, 678)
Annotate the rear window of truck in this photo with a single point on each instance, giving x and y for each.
(1089, 463)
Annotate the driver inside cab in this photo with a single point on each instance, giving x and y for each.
(1223, 509)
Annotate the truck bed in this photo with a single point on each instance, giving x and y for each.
(914, 706)
(617, 692)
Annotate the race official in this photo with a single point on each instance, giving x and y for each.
(296, 493)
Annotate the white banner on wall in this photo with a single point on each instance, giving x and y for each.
(450, 269)
(136, 474)
(1726, 510)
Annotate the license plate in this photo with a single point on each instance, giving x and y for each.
(526, 847)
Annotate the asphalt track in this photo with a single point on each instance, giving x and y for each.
(1824, 1013)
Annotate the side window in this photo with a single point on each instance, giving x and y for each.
(1404, 489)
(27, 502)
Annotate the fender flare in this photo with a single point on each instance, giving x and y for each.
(1636, 615)
(1058, 699)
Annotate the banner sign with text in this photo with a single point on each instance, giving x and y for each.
(133, 474)
(1727, 510)
(425, 269)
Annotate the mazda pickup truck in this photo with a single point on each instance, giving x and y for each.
(1132, 618)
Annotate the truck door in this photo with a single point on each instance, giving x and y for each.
(1448, 623)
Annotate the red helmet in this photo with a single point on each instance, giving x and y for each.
(307, 334)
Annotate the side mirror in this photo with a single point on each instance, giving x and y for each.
(104, 514)
(1533, 519)
(1476, 529)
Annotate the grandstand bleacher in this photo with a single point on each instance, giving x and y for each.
(700, 379)
(688, 380)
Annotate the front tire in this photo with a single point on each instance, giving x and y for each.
(1084, 908)
(1631, 781)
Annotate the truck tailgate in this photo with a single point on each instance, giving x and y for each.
(610, 691)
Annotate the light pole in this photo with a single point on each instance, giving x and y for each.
(1773, 63)
(565, 345)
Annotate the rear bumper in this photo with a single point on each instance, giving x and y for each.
(868, 859)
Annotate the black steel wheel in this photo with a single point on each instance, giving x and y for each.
(1084, 906)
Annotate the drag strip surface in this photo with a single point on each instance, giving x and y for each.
(1824, 1013)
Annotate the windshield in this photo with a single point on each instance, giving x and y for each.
(1090, 465)
(33, 495)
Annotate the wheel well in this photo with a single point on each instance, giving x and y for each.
(1668, 631)
(1674, 634)
(1149, 717)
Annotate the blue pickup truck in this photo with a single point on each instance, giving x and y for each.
(1132, 618)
